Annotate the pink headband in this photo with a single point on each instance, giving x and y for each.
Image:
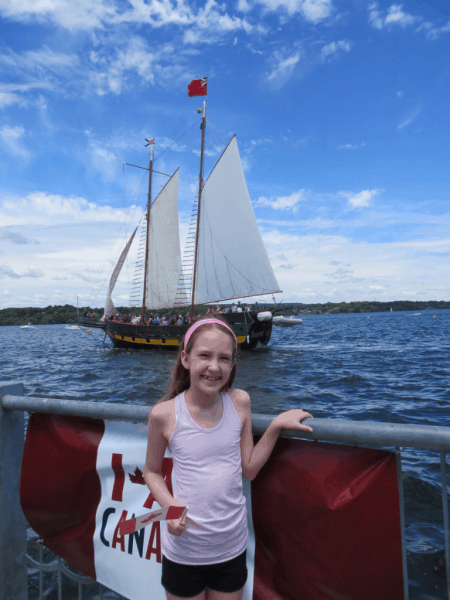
(196, 325)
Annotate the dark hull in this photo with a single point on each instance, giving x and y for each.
(248, 330)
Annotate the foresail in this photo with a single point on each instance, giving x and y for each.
(164, 262)
(109, 306)
(232, 259)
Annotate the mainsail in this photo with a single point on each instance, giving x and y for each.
(164, 262)
(109, 306)
(232, 259)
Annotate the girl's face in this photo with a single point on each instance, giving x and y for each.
(210, 361)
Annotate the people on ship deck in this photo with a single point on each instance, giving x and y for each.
(210, 310)
(155, 320)
(247, 308)
(239, 307)
(218, 310)
(233, 307)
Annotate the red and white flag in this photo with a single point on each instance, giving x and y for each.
(198, 87)
(163, 514)
(313, 505)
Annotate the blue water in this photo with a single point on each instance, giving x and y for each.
(390, 367)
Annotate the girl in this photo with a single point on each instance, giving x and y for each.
(208, 428)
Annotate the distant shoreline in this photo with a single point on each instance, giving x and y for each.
(60, 315)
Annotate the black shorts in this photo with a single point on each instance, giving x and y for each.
(187, 581)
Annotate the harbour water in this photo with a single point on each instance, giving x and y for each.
(386, 367)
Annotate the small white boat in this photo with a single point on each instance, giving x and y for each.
(415, 315)
(29, 326)
(287, 322)
(73, 327)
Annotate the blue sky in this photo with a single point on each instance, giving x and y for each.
(341, 110)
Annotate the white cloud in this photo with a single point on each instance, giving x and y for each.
(334, 49)
(342, 275)
(9, 95)
(39, 208)
(362, 198)
(15, 238)
(282, 64)
(103, 159)
(350, 146)
(434, 31)
(282, 202)
(399, 93)
(6, 271)
(313, 11)
(393, 16)
(413, 113)
(10, 140)
(101, 15)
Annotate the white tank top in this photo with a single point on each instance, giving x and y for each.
(208, 474)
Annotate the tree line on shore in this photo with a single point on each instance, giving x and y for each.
(53, 315)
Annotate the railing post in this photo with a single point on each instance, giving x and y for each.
(13, 525)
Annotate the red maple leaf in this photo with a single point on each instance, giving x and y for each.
(151, 517)
(137, 477)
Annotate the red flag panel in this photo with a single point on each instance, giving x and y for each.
(327, 524)
(198, 87)
(60, 487)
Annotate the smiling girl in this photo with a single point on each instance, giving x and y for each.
(208, 428)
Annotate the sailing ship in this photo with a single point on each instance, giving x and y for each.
(224, 258)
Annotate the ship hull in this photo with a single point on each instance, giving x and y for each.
(248, 330)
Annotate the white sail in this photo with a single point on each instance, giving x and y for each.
(232, 259)
(110, 309)
(164, 263)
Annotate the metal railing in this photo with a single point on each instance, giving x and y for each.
(13, 528)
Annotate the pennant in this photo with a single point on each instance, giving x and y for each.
(163, 514)
(197, 87)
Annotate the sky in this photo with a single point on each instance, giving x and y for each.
(341, 112)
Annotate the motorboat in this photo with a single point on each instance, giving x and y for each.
(286, 321)
(29, 326)
(73, 327)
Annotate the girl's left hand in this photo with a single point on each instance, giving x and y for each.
(291, 420)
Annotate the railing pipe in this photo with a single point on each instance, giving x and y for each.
(446, 520)
(351, 432)
(13, 564)
(398, 458)
(13, 525)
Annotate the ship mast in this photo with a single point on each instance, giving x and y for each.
(200, 187)
(149, 203)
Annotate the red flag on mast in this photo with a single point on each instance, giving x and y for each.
(197, 87)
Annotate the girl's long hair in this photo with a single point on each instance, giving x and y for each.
(179, 379)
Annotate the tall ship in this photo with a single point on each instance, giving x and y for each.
(224, 258)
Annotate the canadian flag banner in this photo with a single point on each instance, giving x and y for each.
(198, 87)
(323, 519)
(162, 514)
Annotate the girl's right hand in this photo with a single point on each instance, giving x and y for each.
(177, 526)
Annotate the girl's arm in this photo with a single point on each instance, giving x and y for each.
(255, 457)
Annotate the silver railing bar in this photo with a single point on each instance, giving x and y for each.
(446, 524)
(41, 574)
(428, 437)
(398, 458)
(59, 580)
(349, 432)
